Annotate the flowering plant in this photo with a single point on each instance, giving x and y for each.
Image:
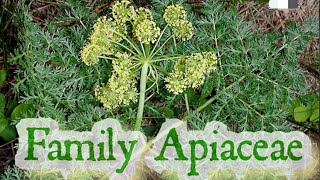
(134, 44)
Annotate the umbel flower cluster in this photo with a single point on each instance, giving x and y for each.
(176, 17)
(190, 71)
(121, 87)
(136, 51)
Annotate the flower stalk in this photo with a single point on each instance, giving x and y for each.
(143, 84)
(137, 54)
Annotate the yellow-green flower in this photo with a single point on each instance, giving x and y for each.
(183, 31)
(142, 14)
(121, 87)
(101, 41)
(190, 72)
(176, 82)
(146, 31)
(144, 28)
(174, 14)
(122, 11)
(176, 17)
(90, 54)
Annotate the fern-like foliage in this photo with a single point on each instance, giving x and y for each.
(51, 75)
(258, 75)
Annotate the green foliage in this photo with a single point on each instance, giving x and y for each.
(134, 44)
(14, 112)
(255, 80)
(257, 77)
(305, 108)
(3, 122)
(302, 113)
(13, 173)
(9, 133)
(7, 33)
(19, 111)
(51, 75)
(3, 74)
(2, 103)
(9, 117)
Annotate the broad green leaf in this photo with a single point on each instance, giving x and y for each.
(166, 112)
(207, 87)
(294, 105)
(3, 74)
(316, 104)
(315, 115)
(193, 98)
(3, 122)
(12, 105)
(315, 111)
(9, 133)
(2, 102)
(22, 111)
(302, 113)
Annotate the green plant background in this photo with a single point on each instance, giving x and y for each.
(52, 77)
(258, 76)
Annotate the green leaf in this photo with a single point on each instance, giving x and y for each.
(3, 122)
(308, 99)
(302, 113)
(151, 109)
(9, 133)
(166, 112)
(207, 87)
(316, 104)
(193, 98)
(2, 102)
(22, 111)
(149, 131)
(12, 105)
(294, 105)
(177, 111)
(234, 10)
(315, 115)
(3, 74)
(315, 111)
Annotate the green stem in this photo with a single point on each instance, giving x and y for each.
(187, 103)
(214, 98)
(143, 84)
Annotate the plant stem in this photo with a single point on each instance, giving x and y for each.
(214, 98)
(143, 84)
(187, 103)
